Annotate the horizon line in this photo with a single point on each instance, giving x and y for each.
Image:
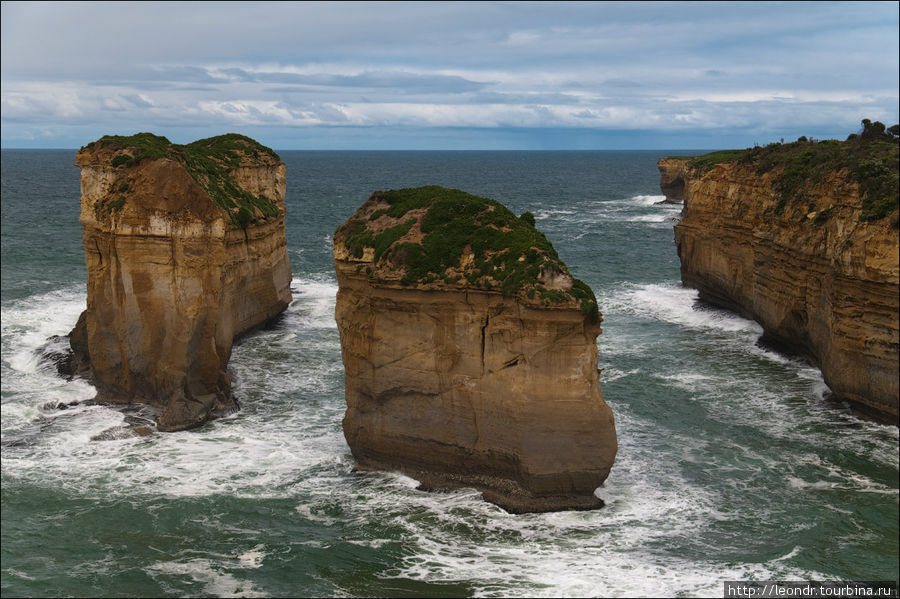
(445, 149)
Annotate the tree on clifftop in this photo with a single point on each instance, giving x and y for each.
(874, 130)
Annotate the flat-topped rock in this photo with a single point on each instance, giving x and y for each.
(470, 352)
(185, 250)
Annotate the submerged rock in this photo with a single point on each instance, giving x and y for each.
(185, 250)
(470, 352)
(68, 353)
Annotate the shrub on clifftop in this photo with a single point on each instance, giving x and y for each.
(208, 161)
(871, 158)
(433, 236)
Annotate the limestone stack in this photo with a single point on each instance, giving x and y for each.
(185, 250)
(816, 269)
(469, 351)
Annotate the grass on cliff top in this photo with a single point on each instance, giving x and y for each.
(208, 162)
(871, 158)
(705, 162)
(507, 252)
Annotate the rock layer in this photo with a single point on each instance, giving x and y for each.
(172, 278)
(822, 281)
(456, 385)
(672, 172)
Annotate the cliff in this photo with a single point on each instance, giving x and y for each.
(470, 352)
(803, 238)
(185, 250)
(671, 178)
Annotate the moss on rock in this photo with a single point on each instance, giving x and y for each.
(208, 161)
(871, 158)
(437, 237)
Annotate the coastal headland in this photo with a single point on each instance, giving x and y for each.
(803, 238)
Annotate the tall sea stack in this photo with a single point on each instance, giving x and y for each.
(470, 352)
(803, 238)
(185, 249)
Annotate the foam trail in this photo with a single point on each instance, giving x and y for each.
(646, 200)
(314, 301)
(676, 305)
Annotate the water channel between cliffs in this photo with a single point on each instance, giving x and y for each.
(731, 464)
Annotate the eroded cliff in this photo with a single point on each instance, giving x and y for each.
(470, 352)
(671, 178)
(185, 250)
(803, 238)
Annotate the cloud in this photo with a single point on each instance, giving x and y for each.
(562, 66)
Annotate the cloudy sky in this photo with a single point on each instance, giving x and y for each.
(448, 75)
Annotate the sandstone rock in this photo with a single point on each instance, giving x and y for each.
(462, 368)
(185, 250)
(672, 174)
(824, 286)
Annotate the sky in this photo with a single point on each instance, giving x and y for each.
(448, 75)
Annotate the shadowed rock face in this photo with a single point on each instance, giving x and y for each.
(172, 276)
(822, 282)
(672, 173)
(458, 385)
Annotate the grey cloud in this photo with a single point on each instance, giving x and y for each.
(190, 74)
(137, 101)
(153, 86)
(400, 81)
(621, 83)
(517, 97)
(541, 64)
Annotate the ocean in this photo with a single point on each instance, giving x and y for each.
(733, 462)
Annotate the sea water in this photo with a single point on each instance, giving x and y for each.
(733, 463)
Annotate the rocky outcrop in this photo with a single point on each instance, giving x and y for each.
(816, 269)
(470, 353)
(672, 174)
(185, 250)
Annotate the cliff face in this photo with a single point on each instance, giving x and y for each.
(672, 174)
(172, 276)
(455, 383)
(819, 278)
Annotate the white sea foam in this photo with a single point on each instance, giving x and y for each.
(661, 217)
(615, 551)
(676, 305)
(646, 200)
(242, 455)
(208, 573)
(314, 301)
(545, 213)
(27, 324)
(613, 374)
(292, 446)
(252, 558)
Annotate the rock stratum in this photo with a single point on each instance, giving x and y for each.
(803, 238)
(671, 179)
(470, 352)
(185, 250)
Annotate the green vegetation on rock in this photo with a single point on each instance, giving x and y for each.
(436, 235)
(706, 162)
(207, 161)
(871, 158)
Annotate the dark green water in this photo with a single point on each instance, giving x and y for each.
(732, 464)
